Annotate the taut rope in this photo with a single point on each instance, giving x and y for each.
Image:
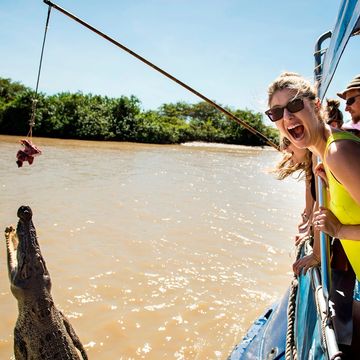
(35, 100)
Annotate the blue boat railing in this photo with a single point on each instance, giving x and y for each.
(324, 247)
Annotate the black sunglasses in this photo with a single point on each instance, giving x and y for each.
(351, 100)
(292, 106)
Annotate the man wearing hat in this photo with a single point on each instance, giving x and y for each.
(352, 96)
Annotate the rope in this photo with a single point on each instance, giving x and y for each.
(147, 62)
(290, 349)
(325, 322)
(34, 99)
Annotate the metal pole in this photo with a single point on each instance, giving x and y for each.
(324, 238)
(318, 55)
(324, 248)
(322, 292)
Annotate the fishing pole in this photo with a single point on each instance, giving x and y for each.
(163, 72)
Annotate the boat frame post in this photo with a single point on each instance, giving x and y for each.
(323, 311)
(324, 238)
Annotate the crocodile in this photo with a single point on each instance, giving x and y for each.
(41, 331)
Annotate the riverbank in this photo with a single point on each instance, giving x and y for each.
(94, 117)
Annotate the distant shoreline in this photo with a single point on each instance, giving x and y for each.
(194, 144)
(227, 146)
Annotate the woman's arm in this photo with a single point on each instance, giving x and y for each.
(311, 260)
(309, 201)
(343, 161)
(326, 221)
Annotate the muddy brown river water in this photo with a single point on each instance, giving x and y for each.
(155, 252)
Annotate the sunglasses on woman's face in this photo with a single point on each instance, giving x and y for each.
(351, 100)
(292, 106)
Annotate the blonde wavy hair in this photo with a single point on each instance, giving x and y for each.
(292, 81)
(286, 166)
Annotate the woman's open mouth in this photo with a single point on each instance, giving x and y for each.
(296, 131)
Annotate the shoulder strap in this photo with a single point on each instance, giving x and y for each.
(340, 135)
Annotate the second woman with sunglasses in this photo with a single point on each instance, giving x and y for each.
(298, 114)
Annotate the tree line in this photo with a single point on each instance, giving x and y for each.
(93, 117)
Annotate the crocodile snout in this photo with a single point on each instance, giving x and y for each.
(24, 213)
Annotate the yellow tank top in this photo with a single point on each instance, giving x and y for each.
(343, 206)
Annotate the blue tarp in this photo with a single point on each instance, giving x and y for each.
(307, 323)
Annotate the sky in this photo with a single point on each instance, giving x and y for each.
(228, 50)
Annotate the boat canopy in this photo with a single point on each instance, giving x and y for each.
(347, 25)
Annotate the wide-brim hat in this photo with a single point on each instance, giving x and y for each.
(353, 85)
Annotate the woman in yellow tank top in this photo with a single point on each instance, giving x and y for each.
(297, 113)
(342, 218)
